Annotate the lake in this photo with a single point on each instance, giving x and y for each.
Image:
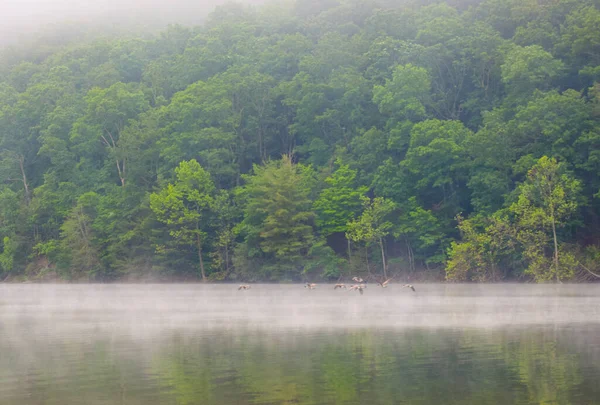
(283, 344)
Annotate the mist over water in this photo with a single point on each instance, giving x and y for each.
(265, 305)
(212, 344)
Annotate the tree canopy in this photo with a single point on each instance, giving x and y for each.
(308, 140)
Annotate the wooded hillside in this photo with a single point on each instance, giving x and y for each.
(309, 139)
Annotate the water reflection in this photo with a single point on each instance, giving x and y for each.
(67, 349)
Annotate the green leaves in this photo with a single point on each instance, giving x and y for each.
(432, 110)
(339, 202)
(404, 96)
(528, 68)
(184, 206)
(548, 195)
(277, 223)
(547, 199)
(373, 224)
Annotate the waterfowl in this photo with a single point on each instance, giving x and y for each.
(409, 286)
(310, 286)
(357, 279)
(335, 287)
(244, 287)
(357, 287)
(385, 283)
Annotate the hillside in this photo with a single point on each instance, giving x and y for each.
(309, 140)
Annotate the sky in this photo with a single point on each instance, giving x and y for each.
(23, 17)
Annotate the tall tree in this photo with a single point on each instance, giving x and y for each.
(277, 225)
(108, 113)
(372, 226)
(547, 199)
(183, 207)
(339, 201)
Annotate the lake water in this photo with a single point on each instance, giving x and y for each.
(283, 344)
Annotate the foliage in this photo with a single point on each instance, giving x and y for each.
(339, 201)
(430, 131)
(547, 200)
(372, 225)
(277, 224)
(184, 206)
(478, 257)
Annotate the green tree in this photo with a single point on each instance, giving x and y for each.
(372, 226)
(547, 200)
(277, 224)
(107, 115)
(79, 254)
(225, 215)
(184, 205)
(422, 232)
(339, 201)
(480, 254)
(528, 68)
(405, 95)
(437, 166)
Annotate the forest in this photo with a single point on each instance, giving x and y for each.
(309, 140)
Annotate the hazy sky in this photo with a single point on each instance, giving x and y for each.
(22, 10)
(18, 17)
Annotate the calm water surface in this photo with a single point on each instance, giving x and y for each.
(282, 344)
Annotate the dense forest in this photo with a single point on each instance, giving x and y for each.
(307, 140)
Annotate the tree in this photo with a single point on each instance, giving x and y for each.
(225, 215)
(528, 68)
(441, 107)
(372, 226)
(422, 232)
(108, 113)
(480, 253)
(436, 164)
(404, 96)
(339, 202)
(184, 206)
(277, 224)
(547, 199)
(79, 254)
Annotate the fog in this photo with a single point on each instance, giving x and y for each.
(22, 18)
(159, 307)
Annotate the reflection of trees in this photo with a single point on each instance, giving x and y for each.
(550, 374)
(376, 367)
(67, 370)
(357, 366)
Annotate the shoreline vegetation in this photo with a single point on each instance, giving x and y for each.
(309, 140)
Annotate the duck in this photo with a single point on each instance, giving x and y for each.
(357, 279)
(244, 287)
(409, 286)
(310, 286)
(335, 287)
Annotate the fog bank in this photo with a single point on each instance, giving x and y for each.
(22, 18)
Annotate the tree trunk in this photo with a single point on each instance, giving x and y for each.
(383, 258)
(25, 184)
(555, 250)
(411, 259)
(199, 242)
(121, 171)
(367, 257)
(349, 252)
(227, 257)
(349, 258)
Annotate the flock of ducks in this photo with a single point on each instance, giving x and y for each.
(360, 286)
